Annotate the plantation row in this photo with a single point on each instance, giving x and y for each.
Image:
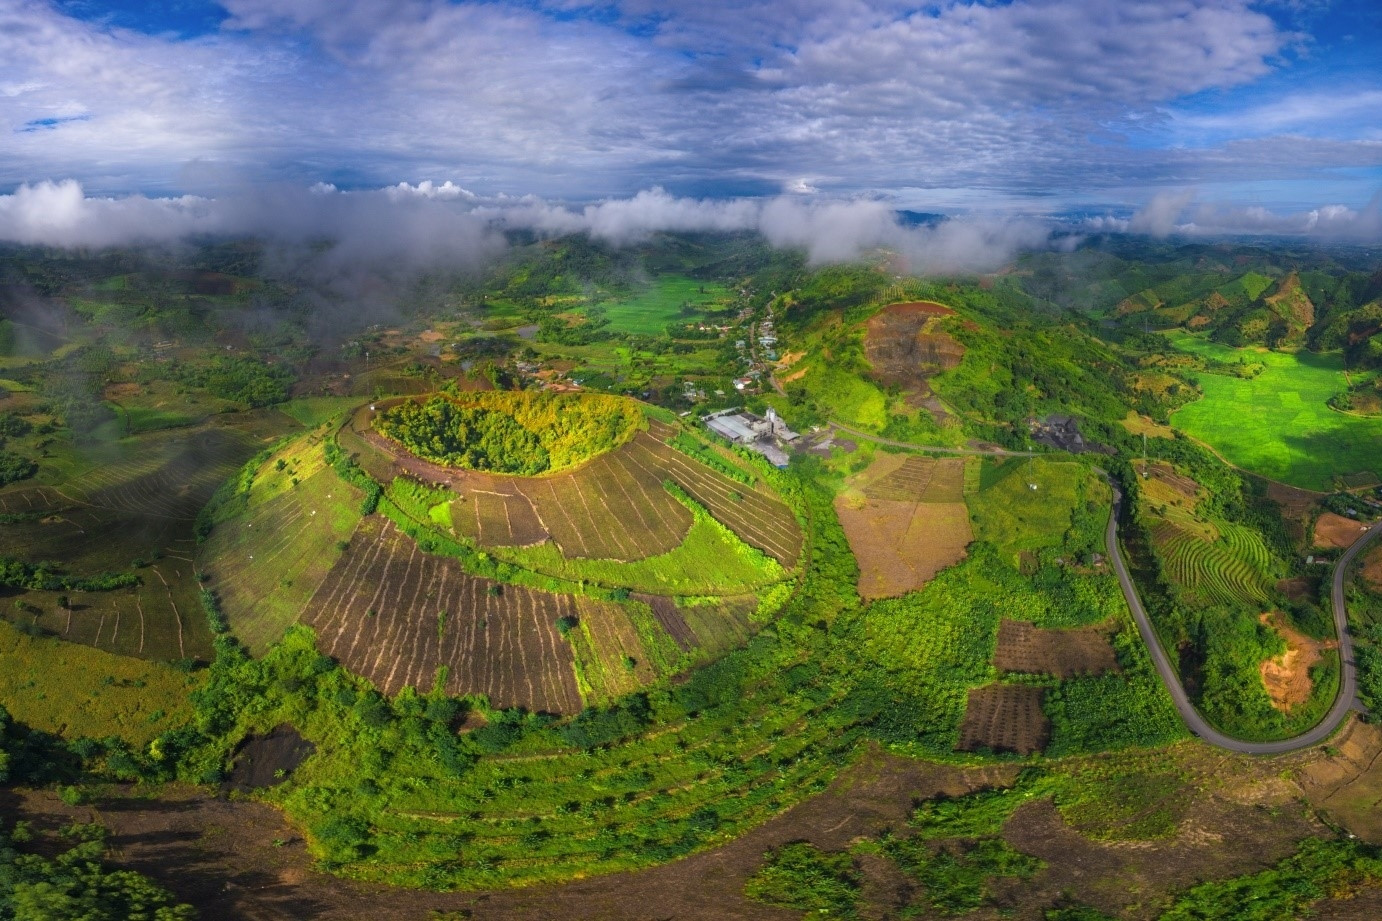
(922, 479)
(396, 615)
(1209, 573)
(266, 567)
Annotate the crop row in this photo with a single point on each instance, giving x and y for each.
(1211, 573)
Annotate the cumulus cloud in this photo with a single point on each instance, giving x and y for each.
(1180, 213)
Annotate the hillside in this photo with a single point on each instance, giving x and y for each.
(548, 592)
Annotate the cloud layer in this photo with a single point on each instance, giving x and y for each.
(588, 99)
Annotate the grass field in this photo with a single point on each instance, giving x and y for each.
(1014, 517)
(74, 690)
(1278, 424)
(649, 311)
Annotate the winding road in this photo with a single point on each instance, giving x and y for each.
(1348, 675)
(1170, 676)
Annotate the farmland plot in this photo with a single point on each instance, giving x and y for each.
(1005, 718)
(1230, 571)
(610, 657)
(267, 566)
(397, 615)
(901, 546)
(922, 479)
(1025, 648)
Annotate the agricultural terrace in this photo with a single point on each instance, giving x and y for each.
(1251, 670)
(1277, 424)
(615, 507)
(517, 432)
(398, 616)
(124, 510)
(275, 539)
(906, 520)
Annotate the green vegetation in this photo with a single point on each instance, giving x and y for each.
(1278, 424)
(958, 878)
(518, 433)
(666, 301)
(14, 467)
(1319, 870)
(74, 691)
(74, 885)
(464, 436)
(805, 878)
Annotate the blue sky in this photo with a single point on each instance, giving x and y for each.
(1021, 107)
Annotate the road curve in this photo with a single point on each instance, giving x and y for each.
(1170, 676)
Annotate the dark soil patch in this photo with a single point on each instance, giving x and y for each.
(265, 761)
(1023, 647)
(1005, 718)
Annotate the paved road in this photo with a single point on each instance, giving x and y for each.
(1348, 684)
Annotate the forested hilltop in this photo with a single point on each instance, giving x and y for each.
(454, 591)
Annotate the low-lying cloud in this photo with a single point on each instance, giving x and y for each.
(433, 225)
(1178, 212)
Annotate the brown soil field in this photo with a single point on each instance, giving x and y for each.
(1287, 678)
(1025, 648)
(239, 859)
(921, 479)
(1005, 718)
(395, 615)
(613, 507)
(906, 345)
(1346, 781)
(1297, 589)
(901, 546)
(1163, 483)
(1372, 567)
(1336, 532)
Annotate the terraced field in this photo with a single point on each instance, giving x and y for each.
(922, 479)
(396, 615)
(267, 566)
(1229, 571)
(612, 508)
(129, 506)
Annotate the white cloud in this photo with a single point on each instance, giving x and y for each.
(840, 96)
(442, 225)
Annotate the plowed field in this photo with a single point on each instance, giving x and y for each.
(396, 615)
(1025, 648)
(1005, 718)
(901, 546)
(922, 479)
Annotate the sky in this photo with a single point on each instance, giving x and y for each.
(1147, 115)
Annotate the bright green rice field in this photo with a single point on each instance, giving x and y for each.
(649, 311)
(1278, 424)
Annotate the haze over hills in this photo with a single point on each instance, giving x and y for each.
(854, 460)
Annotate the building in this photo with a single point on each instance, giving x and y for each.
(768, 434)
